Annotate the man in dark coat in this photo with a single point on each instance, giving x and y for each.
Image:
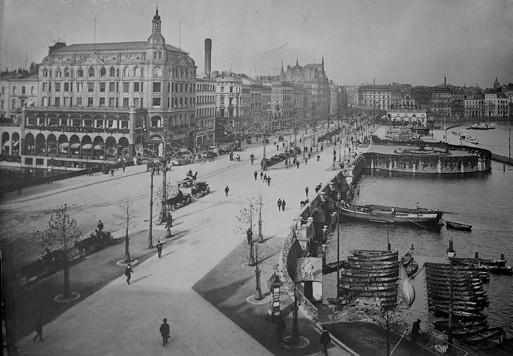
(226, 190)
(325, 340)
(159, 248)
(164, 331)
(256, 175)
(415, 331)
(128, 273)
(283, 204)
(280, 328)
(279, 204)
(100, 226)
(39, 330)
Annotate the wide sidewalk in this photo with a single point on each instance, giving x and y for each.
(123, 319)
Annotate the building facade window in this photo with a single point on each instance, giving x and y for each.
(156, 102)
(156, 87)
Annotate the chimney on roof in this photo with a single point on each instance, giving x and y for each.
(208, 56)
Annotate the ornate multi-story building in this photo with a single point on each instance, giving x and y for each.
(317, 87)
(105, 100)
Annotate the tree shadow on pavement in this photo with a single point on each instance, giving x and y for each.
(228, 285)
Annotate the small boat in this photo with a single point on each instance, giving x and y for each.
(458, 226)
(389, 214)
(443, 324)
(350, 272)
(473, 140)
(332, 267)
(409, 264)
(369, 287)
(486, 334)
(374, 264)
(354, 279)
(373, 255)
(466, 331)
(461, 314)
(485, 265)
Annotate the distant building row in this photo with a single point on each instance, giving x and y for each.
(86, 103)
(439, 101)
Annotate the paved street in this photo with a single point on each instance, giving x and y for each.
(124, 320)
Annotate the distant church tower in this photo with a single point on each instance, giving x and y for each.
(496, 84)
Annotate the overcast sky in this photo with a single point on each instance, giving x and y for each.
(406, 41)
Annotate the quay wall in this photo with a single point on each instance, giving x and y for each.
(443, 159)
(308, 230)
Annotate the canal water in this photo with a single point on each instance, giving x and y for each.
(484, 201)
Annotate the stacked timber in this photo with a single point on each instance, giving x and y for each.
(458, 290)
(371, 274)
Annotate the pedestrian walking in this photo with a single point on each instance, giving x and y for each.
(261, 175)
(159, 248)
(256, 175)
(128, 273)
(124, 166)
(279, 204)
(306, 191)
(415, 330)
(39, 329)
(169, 225)
(325, 340)
(283, 204)
(318, 157)
(100, 226)
(265, 178)
(226, 190)
(164, 331)
(112, 172)
(280, 329)
(297, 164)
(268, 181)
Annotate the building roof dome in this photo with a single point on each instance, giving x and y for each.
(157, 16)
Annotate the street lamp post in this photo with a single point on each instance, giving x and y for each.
(339, 198)
(450, 253)
(150, 236)
(163, 207)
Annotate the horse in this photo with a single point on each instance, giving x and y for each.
(178, 198)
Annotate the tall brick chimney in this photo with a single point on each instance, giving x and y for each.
(208, 56)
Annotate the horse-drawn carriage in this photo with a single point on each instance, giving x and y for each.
(179, 200)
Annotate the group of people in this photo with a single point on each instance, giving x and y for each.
(281, 204)
(264, 177)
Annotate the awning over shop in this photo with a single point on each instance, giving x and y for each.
(64, 145)
(7, 143)
(87, 146)
(75, 145)
(15, 144)
(98, 147)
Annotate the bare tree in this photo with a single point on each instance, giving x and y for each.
(60, 237)
(257, 252)
(127, 214)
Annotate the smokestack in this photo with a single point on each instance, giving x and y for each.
(208, 56)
